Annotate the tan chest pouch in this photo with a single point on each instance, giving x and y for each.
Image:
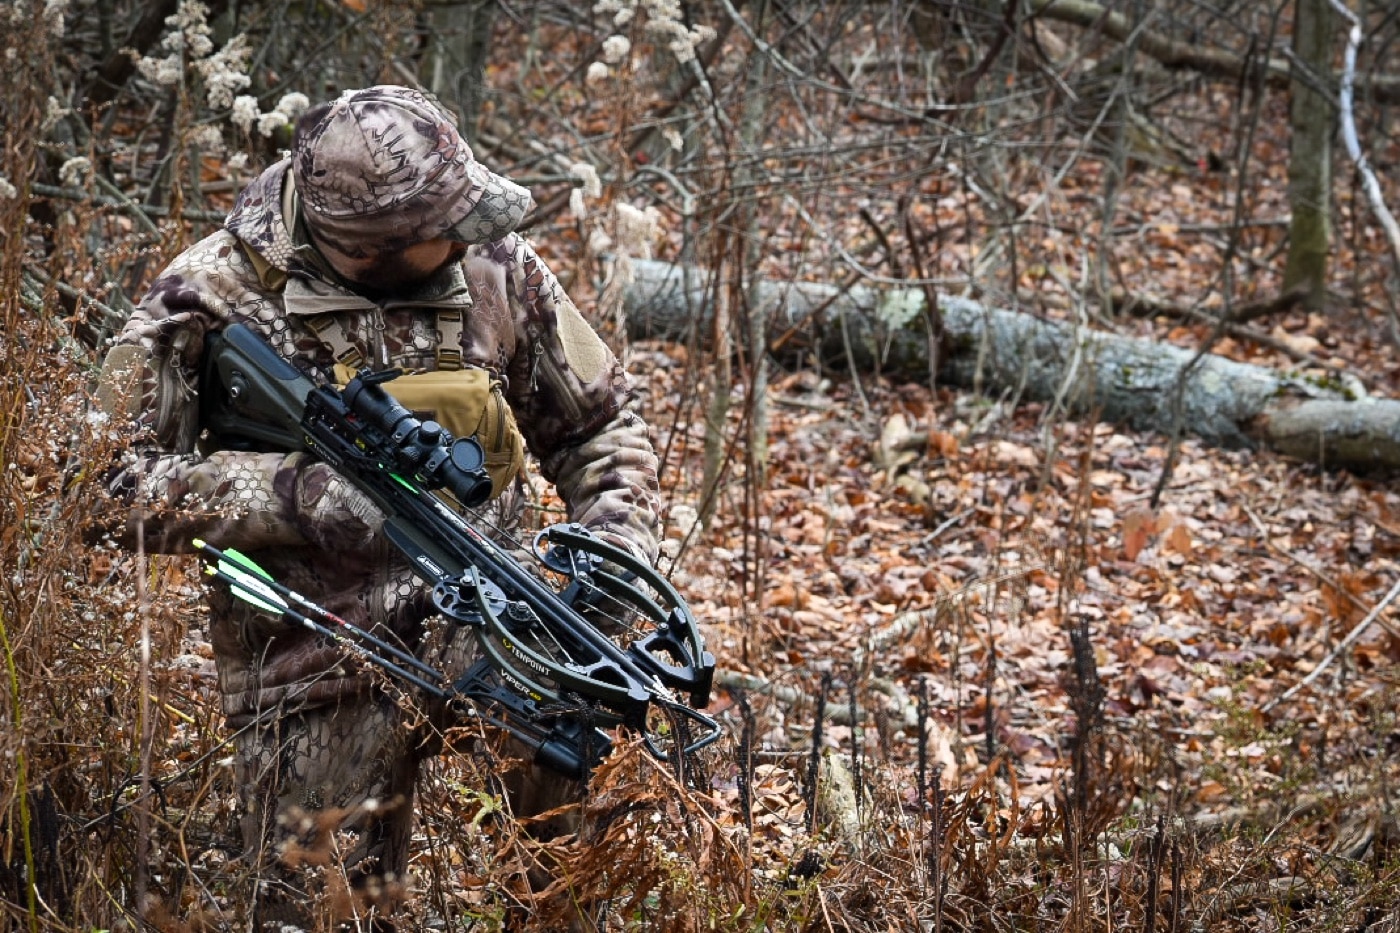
(468, 403)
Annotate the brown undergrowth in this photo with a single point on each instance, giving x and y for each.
(977, 687)
(984, 772)
(953, 784)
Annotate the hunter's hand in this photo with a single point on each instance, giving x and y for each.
(331, 513)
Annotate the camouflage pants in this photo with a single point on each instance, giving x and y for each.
(327, 797)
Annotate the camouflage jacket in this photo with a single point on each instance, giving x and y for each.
(569, 393)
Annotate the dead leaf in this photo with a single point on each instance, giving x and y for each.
(894, 449)
(1007, 453)
(1178, 539)
(943, 444)
(1138, 528)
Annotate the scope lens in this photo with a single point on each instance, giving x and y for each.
(467, 455)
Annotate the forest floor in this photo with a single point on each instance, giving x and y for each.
(1014, 576)
(1114, 670)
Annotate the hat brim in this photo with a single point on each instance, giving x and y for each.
(494, 207)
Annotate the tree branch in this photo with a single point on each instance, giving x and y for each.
(1178, 55)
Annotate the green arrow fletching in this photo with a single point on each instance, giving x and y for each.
(245, 563)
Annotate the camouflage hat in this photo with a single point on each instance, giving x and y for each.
(383, 168)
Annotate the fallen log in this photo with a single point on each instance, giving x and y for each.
(1143, 384)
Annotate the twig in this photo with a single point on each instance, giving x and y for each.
(140, 211)
(1321, 575)
(852, 261)
(120, 197)
(145, 737)
(1137, 230)
(1368, 177)
(1239, 332)
(1242, 313)
(905, 624)
(1343, 645)
(937, 533)
(806, 75)
(855, 372)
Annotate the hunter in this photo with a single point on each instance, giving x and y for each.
(380, 242)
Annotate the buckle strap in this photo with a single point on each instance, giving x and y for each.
(329, 328)
(449, 350)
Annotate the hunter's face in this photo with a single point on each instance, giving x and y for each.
(385, 274)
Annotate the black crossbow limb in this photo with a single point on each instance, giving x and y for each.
(546, 673)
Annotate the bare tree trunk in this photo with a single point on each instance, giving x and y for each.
(1093, 373)
(756, 313)
(1310, 160)
(455, 66)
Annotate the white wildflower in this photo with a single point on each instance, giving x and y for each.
(679, 40)
(190, 14)
(673, 138)
(662, 12)
(224, 72)
(683, 49)
(245, 112)
(7, 190)
(592, 187)
(189, 32)
(599, 242)
(54, 11)
(198, 44)
(190, 29)
(238, 161)
(75, 170)
(207, 138)
(54, 111)
(269, 123)
(615, 49)
(620, 10)
(163, 71)
(636, 229)
(293, 105)
(666, 21)
(221, 71)
(596, 72)
(592, 184)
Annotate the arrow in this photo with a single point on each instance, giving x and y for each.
(251, 581)
(256, 586)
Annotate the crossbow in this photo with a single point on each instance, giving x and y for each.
(546, 673)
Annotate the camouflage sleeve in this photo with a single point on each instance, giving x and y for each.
(609, 483)
(149, 387)
(577, 411)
